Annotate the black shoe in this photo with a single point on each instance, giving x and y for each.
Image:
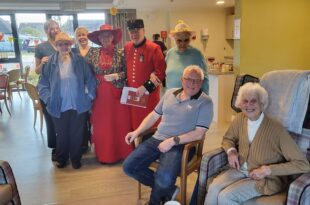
(54, 158)
(76, 165)
(61, 165)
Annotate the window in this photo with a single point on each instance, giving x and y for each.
(7, 43)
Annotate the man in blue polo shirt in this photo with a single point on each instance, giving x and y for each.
(186, 114)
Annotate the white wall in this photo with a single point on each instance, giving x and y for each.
(213, 19)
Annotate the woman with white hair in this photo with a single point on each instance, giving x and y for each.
(183, 55)
(261, 153)
(67, 86)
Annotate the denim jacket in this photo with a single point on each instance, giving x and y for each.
(49, 85)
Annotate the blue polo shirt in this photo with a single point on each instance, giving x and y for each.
(179, 117)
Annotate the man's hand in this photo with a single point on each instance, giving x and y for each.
(155, 79)
(141, 91)
(111, 77)
(260, 173)
(166, 145)
(129, 138)
(233, 159)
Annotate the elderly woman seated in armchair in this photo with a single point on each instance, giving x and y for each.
(261, 153)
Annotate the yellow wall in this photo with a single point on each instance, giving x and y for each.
(275, 34)
(213, 19)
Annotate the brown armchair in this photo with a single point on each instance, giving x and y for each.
(8, 188)
(187, 166)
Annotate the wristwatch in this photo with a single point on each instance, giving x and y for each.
(176, 140)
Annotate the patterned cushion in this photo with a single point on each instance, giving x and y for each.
(241, 80)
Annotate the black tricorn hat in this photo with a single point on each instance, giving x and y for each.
(136, 23)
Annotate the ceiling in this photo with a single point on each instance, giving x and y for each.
(121, 4)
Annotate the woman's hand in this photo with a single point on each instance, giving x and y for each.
(233, 159)
(166, 145)
(111, 77)
(260, 173)
(44, 60)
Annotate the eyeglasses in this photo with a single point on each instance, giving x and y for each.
(63, 44)
(250, 102)
(193, 81)
(182, 40)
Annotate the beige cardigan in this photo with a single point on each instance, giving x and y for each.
(273, 146)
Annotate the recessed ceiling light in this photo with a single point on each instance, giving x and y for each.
(220, 2)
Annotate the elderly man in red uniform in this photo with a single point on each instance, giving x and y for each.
(145, 69)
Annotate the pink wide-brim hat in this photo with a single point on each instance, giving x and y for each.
(116, 32)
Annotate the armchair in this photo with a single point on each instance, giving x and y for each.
(298, 192)
(8, 189)
(188, 164)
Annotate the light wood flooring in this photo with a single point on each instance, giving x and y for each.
(41, 183)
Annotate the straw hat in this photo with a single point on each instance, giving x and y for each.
(117, 34)
(182, 27)
(63, 37)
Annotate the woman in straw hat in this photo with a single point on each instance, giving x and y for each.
(109, 65)
(183, 55)
(67, 86)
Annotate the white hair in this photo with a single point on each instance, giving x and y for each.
(195, 69)
(252, 88)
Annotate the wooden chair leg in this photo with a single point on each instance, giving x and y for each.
(7, 107)
(41, 120)
(139, 191)
(35, 116)
(183, 190)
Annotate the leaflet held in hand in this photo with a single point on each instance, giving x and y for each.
(129, 97)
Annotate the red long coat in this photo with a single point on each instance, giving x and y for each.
(141, 62)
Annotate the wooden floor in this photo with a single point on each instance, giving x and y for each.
(40, 182)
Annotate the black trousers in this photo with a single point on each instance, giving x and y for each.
(50, 128)
(70, 131)
(87, 132)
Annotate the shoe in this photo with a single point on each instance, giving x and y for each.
(175, 193)
(61, 165)
(54, 158)
(172, 195)
(76, 165)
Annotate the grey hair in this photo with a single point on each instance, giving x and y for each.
(48, 23)
(253, 88)
(195, 69)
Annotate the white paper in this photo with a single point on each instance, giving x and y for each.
(125, 93)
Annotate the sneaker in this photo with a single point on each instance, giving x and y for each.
(175, 193)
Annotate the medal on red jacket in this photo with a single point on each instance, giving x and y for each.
(141, 58)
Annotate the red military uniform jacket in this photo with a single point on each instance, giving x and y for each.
(141, 61)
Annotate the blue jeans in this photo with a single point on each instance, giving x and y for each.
(163, 180)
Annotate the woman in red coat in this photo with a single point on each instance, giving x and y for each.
(109, 66)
